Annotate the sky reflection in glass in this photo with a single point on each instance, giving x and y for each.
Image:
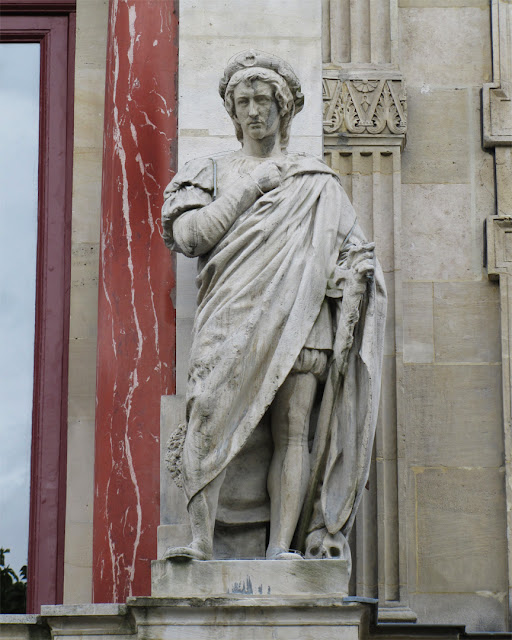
(19, 132)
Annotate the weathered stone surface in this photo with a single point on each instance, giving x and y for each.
(438, 143)
(418, 322)
(86, 195)
(431, 248)
(467, 322)
(23, 627)
(200, 618)
(313, 578)
(459, 532)
(453, 415)
(442, 4)
(232, 618)
(476, 611)
(434, 41)
(84, 290)
(89, 105)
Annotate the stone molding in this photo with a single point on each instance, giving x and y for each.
(499, 267)
(201, 618)
(497, 95)
(364, 108)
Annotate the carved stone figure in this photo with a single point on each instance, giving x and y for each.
(289, 325)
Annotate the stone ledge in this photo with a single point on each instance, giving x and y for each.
(249, 578)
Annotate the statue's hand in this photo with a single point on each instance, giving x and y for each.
(357, 267)
(361, 260)
(267, 175)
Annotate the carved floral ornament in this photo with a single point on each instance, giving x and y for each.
(364, 106)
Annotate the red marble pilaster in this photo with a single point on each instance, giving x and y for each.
(136, 321)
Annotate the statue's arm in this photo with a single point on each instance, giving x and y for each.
(198, 230)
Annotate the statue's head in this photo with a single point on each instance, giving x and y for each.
(264, 73)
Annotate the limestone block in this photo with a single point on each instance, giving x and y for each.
(460, 533)
(78, 554)
(467, 322)
(260, 618)
(453, 415)
(93, 620)
(295, 18)
(80, 452)
(82, 376)
(432, 250)
(485, 611)
(249, 577)
(23, 627)
(222, 618)
(418, 322)
(81, 407)
(435, 41)
(438, 143)
(91, 34)
(443, 4)
(89, 107)
(86, 195)
(84, 291)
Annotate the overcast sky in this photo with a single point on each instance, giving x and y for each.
(19, 127)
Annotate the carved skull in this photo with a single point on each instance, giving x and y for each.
(320, 544)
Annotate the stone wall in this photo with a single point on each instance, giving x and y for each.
(452, 451)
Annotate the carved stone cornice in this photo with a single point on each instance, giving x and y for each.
(364, 108)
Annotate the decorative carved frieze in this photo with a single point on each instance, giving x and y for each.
(364, 106)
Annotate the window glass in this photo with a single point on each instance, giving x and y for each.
(19, 142)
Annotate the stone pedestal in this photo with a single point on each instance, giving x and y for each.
(254, 618)
(252, 578)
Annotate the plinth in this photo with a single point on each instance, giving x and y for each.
(253, 599)
(274, 578)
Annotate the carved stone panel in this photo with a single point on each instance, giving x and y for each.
(364, 108)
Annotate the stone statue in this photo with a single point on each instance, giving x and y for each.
(289, 324)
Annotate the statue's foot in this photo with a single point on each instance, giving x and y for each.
(184, 554)
(284, 554)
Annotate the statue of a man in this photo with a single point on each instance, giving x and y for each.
(291, 312)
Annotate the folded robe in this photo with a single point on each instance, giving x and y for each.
(261, 289)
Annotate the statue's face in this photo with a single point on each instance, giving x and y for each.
(256, 109)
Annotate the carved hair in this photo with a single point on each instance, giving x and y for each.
(280, 90)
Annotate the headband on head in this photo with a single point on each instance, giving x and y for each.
(254, 58)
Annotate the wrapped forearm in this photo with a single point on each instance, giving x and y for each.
(197, 231)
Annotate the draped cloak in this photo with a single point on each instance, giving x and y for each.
(260, 291)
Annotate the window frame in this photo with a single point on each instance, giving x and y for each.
(52, 25)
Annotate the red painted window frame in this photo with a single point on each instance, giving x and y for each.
(52, 24)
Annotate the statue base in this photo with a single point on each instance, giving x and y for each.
(251, 578)
(226, 618)
(257, 618)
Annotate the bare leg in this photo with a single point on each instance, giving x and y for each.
(202, 510)
(289, 470)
